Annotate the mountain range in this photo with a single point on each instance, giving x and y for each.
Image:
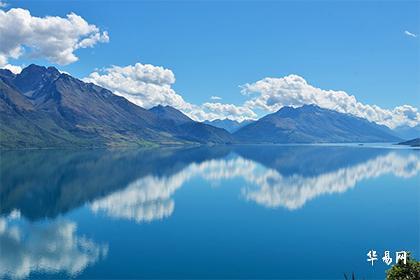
(407, 132)
(41, 107)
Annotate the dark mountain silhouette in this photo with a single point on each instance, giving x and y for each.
(312, 124)
(413, 142)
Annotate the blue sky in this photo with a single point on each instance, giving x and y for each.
(214, 47)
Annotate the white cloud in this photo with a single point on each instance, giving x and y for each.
(408, 33)
(53, 38)
(293, 90)
(143, 84)
(215, 98)
(13, 68)
(147, 85)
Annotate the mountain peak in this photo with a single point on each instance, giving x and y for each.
(292, 111)
(53, 70)
(162, 107)
(310, 106)
(34, 77)
(169, 112)
(34, 69)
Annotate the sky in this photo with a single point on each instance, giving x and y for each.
(235, 59)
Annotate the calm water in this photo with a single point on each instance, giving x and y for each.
(221, 212)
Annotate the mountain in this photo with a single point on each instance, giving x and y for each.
(41, 107)
(170, 113)
(312, 124)
(407, 132)
(229, 125)
(413, 143)
(188, 129)
(20, 124)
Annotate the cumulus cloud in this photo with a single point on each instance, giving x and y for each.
(215, 97)
(293, 90)
(147, 85)
(408, 33)
(54, 38)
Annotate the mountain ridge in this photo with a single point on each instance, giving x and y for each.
(189, 129)
(313, 124)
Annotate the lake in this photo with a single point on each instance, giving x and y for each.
(300, 212)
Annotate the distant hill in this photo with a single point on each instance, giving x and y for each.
(41, 107)
(407, 132)
(229, 125)
(312, 124)
(413, 143)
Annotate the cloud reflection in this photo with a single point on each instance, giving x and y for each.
(150, 198)
(44, 247)
(292, 192)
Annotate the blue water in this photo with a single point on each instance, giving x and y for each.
(286, 212)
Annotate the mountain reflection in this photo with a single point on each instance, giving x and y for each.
(44, 247)
(149, 198)
(45, 184)
(292, 192)
(139, 185)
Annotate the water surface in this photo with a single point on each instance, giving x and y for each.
(301, 212)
